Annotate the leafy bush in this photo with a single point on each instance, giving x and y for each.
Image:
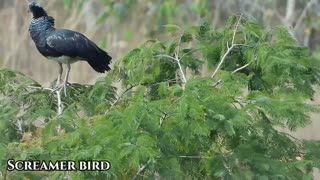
(205, 105)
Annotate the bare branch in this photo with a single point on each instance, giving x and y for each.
(217, 83)
(222, 61)
(68, 176)
(290, 11)
(41, 88)
(304, 13)
(228, 48)
(167, 56)
(176, 54)
(60, 105)
(184, 79)
(141, 169)
(120, 97)
(194, 157)
(246, 65)
(58, 95)
(194, 50)
(179, 43)
(19, 126)
(235, 30)
(291, 136)
(176, 59)
(164, 117)
(240, 68)
(284, 20)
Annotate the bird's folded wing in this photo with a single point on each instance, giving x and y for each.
(73, 44)
(69, 43)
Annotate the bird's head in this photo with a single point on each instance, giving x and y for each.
(36, 10)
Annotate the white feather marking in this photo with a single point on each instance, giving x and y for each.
(64, 59)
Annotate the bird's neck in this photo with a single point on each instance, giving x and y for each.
(41, 26)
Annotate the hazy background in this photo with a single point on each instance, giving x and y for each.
(118, 26)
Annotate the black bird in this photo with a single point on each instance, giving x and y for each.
(64, 46)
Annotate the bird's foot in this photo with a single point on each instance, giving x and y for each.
(61, 86)
(58, 87)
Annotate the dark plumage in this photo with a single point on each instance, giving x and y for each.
(62, 45)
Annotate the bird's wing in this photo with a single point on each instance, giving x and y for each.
(70, 43)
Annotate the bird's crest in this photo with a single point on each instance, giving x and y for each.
(36, 10)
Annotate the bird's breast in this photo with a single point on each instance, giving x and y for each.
(64, 59)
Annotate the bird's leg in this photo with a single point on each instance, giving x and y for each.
(59, 75)
(66, 79)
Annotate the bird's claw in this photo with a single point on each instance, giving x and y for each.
(58, 87)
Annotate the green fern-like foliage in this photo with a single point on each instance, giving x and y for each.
(169, 116)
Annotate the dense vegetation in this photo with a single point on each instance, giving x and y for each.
(208, 104)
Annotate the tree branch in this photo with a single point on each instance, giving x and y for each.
(167, 56)
(194, 157)
(228, 48)
(303, 14)
(120, 97)
(217, 83)
(184, 79)
(60, 105)
(177, 60)
(240, 68)
(290, 11)
(58, 95)
(194, 50)
(141, 169)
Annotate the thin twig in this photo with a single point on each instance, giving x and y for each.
(164, 117)
(167, 115)
(58, 94)
(194, 157)
(290, 136)
(217, 83)
(68, 177)
(141, 169)
(60, 105)
(194, 50)
(19, 126)
(222, 61)
(177, 60)
(228, 48)
(41, 88)
(120, 97)
(179, 43)
(184, 79)
(167, 56)
(279, 16)
(240, 68)
(235, 30)
(284, 20)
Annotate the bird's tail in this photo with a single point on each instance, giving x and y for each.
(100, 62)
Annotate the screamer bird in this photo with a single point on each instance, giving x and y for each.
(64, 46)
